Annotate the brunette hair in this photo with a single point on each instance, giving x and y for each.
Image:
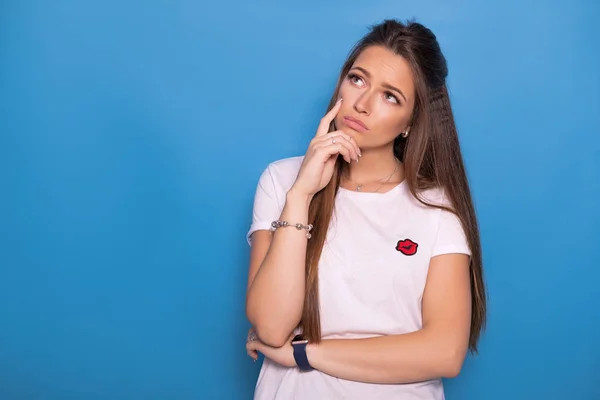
(431, 156)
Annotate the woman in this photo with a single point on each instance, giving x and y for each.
(365, 277)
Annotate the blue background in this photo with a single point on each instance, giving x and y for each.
(132, 135)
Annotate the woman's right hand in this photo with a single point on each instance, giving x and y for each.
(317, 167)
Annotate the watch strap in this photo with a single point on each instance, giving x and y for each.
(300, 356)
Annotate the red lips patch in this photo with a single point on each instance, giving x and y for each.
(407, 247)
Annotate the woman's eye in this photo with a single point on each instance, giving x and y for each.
(355, 79)
(392, 97)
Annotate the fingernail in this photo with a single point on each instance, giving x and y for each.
(339, 101)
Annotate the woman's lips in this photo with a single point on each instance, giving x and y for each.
(355, 124)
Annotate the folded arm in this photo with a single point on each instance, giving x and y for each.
(275, 295)
(435, 351)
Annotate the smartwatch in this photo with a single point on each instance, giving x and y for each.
(299, 345)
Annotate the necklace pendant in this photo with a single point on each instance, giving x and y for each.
(359, 187)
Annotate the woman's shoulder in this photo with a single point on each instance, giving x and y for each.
(282, 173)
(286, 166)
(435, 196)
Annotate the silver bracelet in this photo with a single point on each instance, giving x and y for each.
(283, 224)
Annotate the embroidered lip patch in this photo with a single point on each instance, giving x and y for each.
(407, 247)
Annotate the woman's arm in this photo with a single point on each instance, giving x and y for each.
(437, 350)
(275, 296)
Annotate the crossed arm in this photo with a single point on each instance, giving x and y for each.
(437, 350)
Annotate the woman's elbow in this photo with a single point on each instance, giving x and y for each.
(266, 333)
(452, 363)
(271, 337)
(452, 371)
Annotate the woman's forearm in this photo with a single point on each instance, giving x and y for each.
(410, 357)
(276, 295)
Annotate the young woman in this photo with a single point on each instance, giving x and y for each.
(365, 278)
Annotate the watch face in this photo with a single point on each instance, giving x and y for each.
(298, 339)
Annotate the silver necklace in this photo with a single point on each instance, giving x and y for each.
(360, 185)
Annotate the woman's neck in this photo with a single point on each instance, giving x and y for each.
(375, 166)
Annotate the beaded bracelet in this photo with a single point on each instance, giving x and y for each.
(283, 224)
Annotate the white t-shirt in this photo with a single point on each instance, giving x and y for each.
(372, 276)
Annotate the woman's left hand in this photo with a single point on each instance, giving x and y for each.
(281, 355)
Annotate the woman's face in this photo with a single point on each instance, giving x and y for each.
(379, 97)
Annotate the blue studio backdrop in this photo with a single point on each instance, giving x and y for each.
(132, 136)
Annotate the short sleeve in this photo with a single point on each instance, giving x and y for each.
(266, 207)
(450, 236)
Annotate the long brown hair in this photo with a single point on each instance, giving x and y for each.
(431, 156)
